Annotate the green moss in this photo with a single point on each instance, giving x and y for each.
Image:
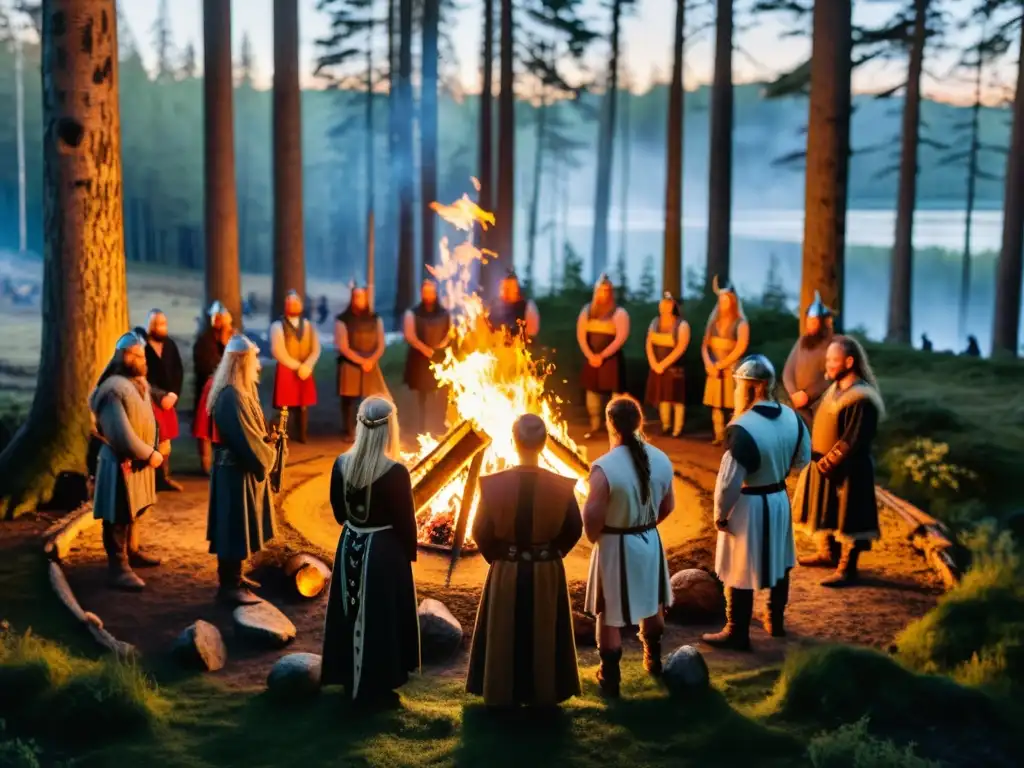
(851, 746)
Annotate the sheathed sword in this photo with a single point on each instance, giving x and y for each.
(278, 470)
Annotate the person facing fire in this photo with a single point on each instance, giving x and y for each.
(295, 345)
(764, 442)
(601, 330)
(524, 651)
(360, 340)
(668, 336)
(206, 356)
(835, 497)
(630, 494)
(165, 375)
(125, 485)
(804, 374)
(512, 311)
(427, 328)
(726, 339)
(241, 507)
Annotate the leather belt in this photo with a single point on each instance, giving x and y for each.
(539, 553)
(629, 531)
(762, 490)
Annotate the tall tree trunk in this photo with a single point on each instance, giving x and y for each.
(828, 156)
(972, 187)
(406, 218)
(223, 280)
(672, 266)
(605, 154)
(394, 96)
(370, 159)
(506, 225)
(1006, 322)
(902, 274)
(289, 260)
(486, 141)
(85, 300)
(720, 176)
(538, 169)
(624, 181)
(428, 129)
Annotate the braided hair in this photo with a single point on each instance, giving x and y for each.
(626, 420)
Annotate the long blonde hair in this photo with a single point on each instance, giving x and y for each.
(236, 369)
(377, 443)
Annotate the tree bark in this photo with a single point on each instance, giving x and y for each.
(505, 219)
(972, 187)
(605, 154)
(289, 260)
(428, 130)
(406, 219)
(485, 199)
(828, 156)
(538, 170)
(223, 280)
(720, 175)
(1006, 322)
(902, 274)
(85, 301)
(672, 266)
(370, 160)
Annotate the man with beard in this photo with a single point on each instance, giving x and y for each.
(804, 374)
(601, 330)
(835, 497)
(764, 442)
(128, 459)
(513, 312)
(206, 356)
(427, 328)
(295, 345)
(165, 375)
(726, 339)
(360, 340)
(241, 511)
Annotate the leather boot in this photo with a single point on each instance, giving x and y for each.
(739, 607)
(205, 456)
(115, 542)
(136, 557)
(846, 574)
(163, 478)
(609, 675)
(778, 597)
(827, 555)
(652, 652)
(232, 591)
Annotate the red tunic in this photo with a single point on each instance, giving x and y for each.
(203, 427)
(292, 392)
(166, 422)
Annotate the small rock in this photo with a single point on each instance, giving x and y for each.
(295, 676)
(308, 575)
(201, 645)
(440, 632)
(696, 593)
(584, 628)
(685, 670)
(263, 623)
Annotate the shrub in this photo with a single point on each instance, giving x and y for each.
(920, 471)
(851, 746)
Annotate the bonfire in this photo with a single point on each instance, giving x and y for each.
(491, 380)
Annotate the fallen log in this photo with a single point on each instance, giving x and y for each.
(308, 575)
(468, 494)
(445, 462)
(927, 535)
(576, 464)
(90, 620)
(61, 535)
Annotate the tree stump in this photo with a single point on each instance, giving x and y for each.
(307, 575)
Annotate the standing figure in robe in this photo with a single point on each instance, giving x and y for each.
(428, 331)
(835, 497)
(667, 339)
(295, 345)
(512, 312)
(630, 494)
(804, 374)
(360, 341)
(165, 375)
(765, 441)
(241, 508)
(524, 650)
(127, 461)
(726, 339)
(601, 331)
(206, 356)
(371, 635)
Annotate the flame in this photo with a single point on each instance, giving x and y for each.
(491, 379)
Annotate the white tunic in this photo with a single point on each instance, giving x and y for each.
(764, 444)
(629, 578)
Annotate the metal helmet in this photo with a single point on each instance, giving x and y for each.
(604, 280)
(240, 343)
(217, 309)
(756, 368)
(720, 289)
(129, 340)
(817, 308)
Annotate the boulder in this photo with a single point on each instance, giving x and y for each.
(263, 624)
(440, 632)
(685, 670)
(696, 593)
(584, 628)
(201, 645)
(307, 575)
(295, 676)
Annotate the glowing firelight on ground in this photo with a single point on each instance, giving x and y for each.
(491, 382)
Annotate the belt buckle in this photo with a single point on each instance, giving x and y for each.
(527, 556)
(513, 551)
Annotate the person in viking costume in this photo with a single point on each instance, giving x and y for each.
(835, 497)
(165, 375)
(726, 339)
(513, 312)
(241, 508)
(428, 331)
(765, 441)
(668, 336)
(601, 331)
(371, 634)
(125, 484)
(804, 374)
(206, 356)
(360, 340)
(524, 650)
(295, 345)
(630, 494)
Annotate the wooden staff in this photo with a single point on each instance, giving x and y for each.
(468, 494)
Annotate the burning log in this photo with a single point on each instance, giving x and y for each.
(568, 456)
(468, 494)
(308, 575)
(446, 461)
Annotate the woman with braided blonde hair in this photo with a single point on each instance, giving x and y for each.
(371, 636)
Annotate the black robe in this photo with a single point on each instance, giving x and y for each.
(206, 356)
(165, 373)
